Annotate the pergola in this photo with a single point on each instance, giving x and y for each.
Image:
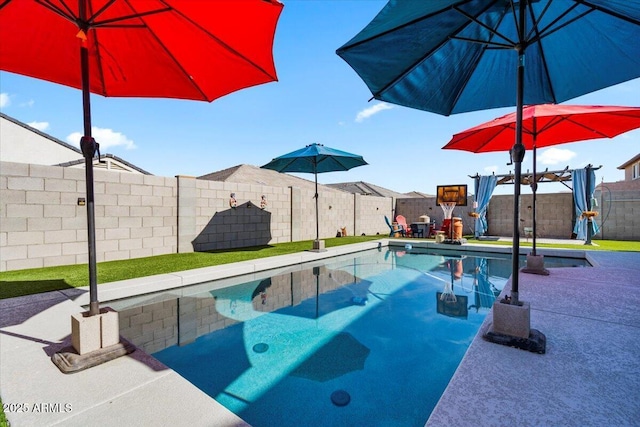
(528, 178)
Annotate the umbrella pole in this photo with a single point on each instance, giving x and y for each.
(517, 154)
(89, 146)
(534, 188)
(315, 172)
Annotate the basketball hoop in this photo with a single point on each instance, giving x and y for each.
(447, 209)
(447, 293)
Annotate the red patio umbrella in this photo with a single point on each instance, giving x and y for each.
(546, 125)
(198, 50)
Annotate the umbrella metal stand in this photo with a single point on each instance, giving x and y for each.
(318, 245)
(511, 318)
(87, 349)
(89, 146)
(535, 262)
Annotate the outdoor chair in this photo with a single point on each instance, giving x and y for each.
(402, 222)
(392, 230)
(416, 231)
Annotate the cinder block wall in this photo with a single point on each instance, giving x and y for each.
(220, 226)
(413, 208)
(619, 215)
(42, 223)
(554, 218)
(369, 215)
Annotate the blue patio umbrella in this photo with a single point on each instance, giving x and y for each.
(315, 159)
(454, 56)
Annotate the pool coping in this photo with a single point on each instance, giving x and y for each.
(171, 281)
(139, 389)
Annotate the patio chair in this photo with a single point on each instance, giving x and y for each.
(416, 231)
(392, 230)
(402, 221)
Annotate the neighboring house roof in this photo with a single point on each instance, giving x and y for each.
(249, 174)
(110, 162)
(21, 143)
(365, 188)
(419, 194)
(632, 185)
(629, 162)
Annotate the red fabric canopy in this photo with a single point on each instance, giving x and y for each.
(199, 50)
(547, 125)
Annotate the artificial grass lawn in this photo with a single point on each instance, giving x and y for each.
(37, 280)
(599, 245)
(3, 418)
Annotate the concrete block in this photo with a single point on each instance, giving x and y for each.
(85, 332)
(513, 320)
(109, 327)
(318, 245)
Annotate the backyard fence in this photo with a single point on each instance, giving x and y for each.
(43, 219)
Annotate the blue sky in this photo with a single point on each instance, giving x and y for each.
(318, 98)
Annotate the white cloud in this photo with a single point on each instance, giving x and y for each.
(41, 126)
(107, 138)
(368, 112)
(28, 103)
(553, 156)
(4, 100)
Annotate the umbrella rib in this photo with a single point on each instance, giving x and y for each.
(610, 12)
(211, 36)
(107, 22)
(226, 46)
(509, 42)
(384, 33)
(48, 5)
(427, 54)
(478, 58)
(335, 159)
(543, 56)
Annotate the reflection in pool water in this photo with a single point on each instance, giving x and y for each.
(373, 337)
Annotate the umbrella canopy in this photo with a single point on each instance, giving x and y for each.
(546, 125)
(171, 49)
(455, 56)
(315, 159)
(152, 48)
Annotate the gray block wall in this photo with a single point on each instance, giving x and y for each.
(42, 224)
(619, 214)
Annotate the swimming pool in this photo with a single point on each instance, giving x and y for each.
(371, 338)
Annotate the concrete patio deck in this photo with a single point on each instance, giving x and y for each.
(590, 374)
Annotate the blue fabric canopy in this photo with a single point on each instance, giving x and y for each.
(484, 190)
(455, 56)
(581, 191)
(315, 159)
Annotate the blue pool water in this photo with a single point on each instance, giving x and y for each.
(366, 339)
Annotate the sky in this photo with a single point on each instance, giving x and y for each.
(317, 98)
